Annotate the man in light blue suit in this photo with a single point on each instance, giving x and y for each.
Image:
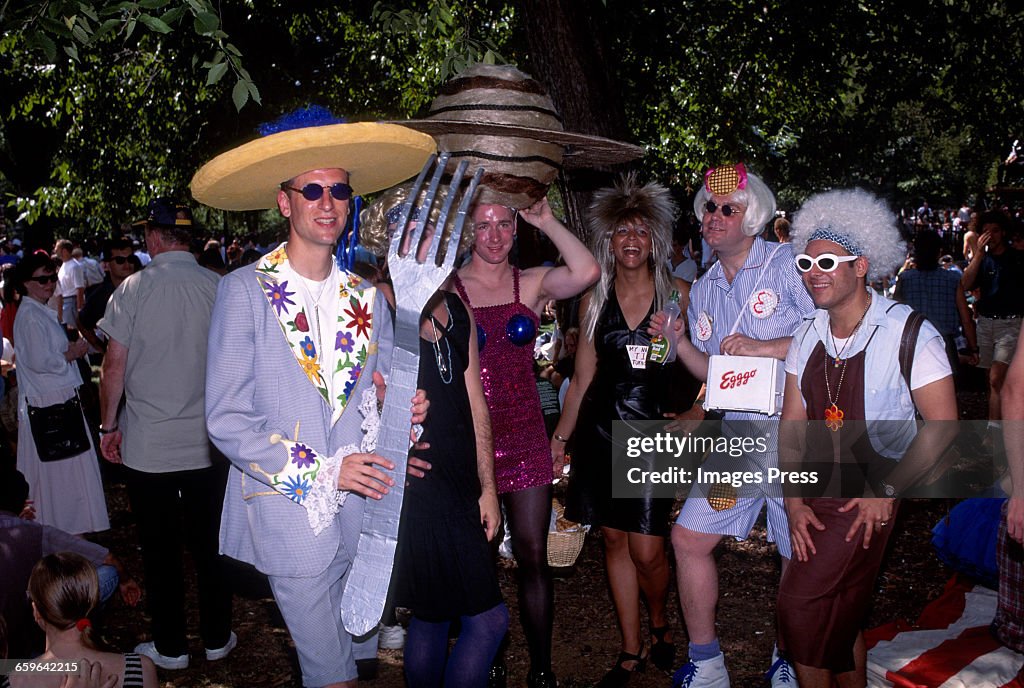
(294, 346)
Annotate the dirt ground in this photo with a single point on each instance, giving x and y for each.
(586, 636)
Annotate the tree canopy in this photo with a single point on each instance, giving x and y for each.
(107, 104)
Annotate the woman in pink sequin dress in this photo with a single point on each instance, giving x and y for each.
(506, 303)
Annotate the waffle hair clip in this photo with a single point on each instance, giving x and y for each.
(725, 179)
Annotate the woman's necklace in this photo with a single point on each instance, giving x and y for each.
(833, 414)
(444, 362)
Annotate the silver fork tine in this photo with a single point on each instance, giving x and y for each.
(442, 220)
(396, 238)
(428, 203)
(460, 219)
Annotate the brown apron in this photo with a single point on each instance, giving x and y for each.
(824, 602)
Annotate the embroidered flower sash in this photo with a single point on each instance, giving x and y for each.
(352, 338)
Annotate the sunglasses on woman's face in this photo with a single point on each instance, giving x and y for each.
(43, 279)
(314, 192)
(727, 209)
(826, 262)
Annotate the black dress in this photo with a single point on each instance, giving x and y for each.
(444, 565)
(621, 392)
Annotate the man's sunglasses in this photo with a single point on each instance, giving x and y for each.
(727, 210)
(120, 260)
(314, 192)
(43, 279)
(826, 262)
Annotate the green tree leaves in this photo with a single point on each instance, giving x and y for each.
(74, 25)
(106, 103)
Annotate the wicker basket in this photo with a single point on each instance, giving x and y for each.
(565, 542)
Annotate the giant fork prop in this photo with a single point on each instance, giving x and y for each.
(362, 603)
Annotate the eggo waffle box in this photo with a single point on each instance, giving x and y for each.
(745, 383)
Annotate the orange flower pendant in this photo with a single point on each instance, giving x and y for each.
(834, 418)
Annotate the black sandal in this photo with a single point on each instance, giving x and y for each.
(619, 675)
(663, 652)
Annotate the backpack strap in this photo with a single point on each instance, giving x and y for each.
(908, 344)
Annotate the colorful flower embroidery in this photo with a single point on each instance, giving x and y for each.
(295, 488)
(360, 318)
(303, 456)
(278, 295)
(311, 367)
(355, 307)
(344, 342)
(277, 256)
(308, 348)
(353, 374)
(354, 371)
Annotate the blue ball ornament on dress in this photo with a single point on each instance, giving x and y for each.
(520, 330)
(481, 338)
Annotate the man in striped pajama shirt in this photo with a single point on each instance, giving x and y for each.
(747, 304)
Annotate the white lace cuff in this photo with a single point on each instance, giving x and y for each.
(324, 499)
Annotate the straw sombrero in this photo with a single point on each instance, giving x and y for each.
(499, 118)
(376, 155)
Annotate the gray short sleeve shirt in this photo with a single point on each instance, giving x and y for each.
(162, 315)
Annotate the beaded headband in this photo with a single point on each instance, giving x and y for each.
(725, 179)
(846, 242)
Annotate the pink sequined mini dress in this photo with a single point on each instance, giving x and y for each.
(522, 452)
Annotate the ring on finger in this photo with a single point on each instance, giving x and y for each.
(883, 523)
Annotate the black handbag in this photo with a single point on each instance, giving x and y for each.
(59, 430)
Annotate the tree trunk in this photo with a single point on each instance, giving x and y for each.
(566, 44)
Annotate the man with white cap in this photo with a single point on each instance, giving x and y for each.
(842, 370)
(294, 340)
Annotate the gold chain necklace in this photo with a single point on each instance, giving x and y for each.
(833, 414)
(835, 347)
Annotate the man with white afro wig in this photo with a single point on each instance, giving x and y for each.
(865, 222)
(845, 365)
(748, 303)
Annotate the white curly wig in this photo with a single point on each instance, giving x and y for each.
(755, 196)
(629, 201)
(857, 220)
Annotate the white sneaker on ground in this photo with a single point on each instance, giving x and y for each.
(707, 673)
(391, 637)
(162, 661)
(781, 674)
(222, 652)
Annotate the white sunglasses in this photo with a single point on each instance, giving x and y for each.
(826, 262)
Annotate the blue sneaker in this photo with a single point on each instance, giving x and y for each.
(707, 673)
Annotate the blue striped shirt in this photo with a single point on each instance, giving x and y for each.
(723, 303)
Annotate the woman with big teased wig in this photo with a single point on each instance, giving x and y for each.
(630, 235)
